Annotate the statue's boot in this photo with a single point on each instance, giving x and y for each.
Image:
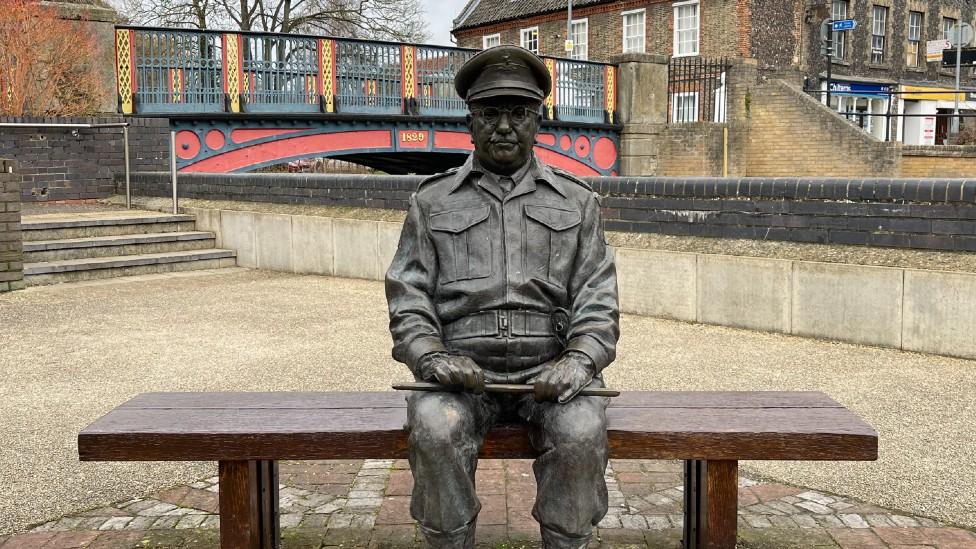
(552, 539)
(462, 538)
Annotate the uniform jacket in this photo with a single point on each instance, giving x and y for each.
(484, 274)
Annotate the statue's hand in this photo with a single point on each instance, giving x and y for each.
(453, 371)
(561, 379)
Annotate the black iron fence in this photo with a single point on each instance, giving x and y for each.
(697, 90)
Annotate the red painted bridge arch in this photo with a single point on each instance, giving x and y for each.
(236, 145)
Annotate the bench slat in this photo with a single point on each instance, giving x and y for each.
(242, 426)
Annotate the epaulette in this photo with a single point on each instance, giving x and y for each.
(437, 176)
(572, 177)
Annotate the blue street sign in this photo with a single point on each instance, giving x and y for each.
(843, 25)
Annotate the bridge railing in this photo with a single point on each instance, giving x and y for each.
(165, 71)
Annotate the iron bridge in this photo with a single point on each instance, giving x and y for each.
(240, 101)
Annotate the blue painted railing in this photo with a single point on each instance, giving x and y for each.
(165, 71)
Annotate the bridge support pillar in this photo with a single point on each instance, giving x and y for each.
(642, 97)
(100, 23)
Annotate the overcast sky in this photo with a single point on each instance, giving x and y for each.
(440, 15)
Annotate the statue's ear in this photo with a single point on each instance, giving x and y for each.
(467, 120)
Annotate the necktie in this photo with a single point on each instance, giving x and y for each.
(506, 183)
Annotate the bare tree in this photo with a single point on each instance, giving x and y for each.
(45, 63)
(370, 19)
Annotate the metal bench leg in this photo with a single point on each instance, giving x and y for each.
(249, 505)
(711, 502)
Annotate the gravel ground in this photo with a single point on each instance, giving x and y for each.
(71, 353)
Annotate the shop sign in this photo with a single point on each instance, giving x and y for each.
(861, 89)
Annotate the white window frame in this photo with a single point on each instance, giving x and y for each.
(643, 34)
(840, 37)
(879, 37)
(581, 48)
(488, 37)
(697, 28)
(913, 56)
(948, 29)
(676, 103)
(523, 42)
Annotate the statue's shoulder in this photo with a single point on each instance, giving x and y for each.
(571, 177)
(437, 177)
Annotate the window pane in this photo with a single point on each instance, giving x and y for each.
(878, 28)
(686, 27)
(634, 32)
(579, 38)
(947, 24)
(530, 40)
(492, 40)
(839, 12)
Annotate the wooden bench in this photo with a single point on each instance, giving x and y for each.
(248, 432)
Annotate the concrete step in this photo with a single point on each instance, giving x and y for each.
(113, 223)
(74, 270)
(39, 251)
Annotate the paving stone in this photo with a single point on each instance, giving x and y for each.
(757, 521)
(849, 539)
(941, 537)
(350, 520)
(157, 510)
(394, 537)
(822, 499)
(347, 537)
(395, 510)
(854, 521)
(815, 507)
(904, 522)
(71, 540)
(140, 523)
(165, 523)
(620, 535)
(658, 522)
(633, 522)
(774, 538)
(331, 507)
(190, 521)
(28, 541)
(115, 523)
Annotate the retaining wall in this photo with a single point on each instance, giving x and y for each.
(901, 213)
(926, 311)
(938, 161)
(11, 241)
(80, 164)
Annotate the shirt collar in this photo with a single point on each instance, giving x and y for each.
(535, 167)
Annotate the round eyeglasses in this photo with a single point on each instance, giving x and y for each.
(491, 115)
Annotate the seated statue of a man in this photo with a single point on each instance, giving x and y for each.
(503, 275)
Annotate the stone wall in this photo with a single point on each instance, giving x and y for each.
(80, 164)
(792, 134)
(691, 150)
(900, 213)
(941, 161)
(11, 243)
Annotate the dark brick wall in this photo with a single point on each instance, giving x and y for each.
(11, 244)
(903, 213)
(80, 164)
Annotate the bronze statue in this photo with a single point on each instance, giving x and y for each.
(503, 275)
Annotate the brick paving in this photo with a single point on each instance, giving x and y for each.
(356, 503)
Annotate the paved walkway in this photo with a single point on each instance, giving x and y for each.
(366, 504)
(71, 353)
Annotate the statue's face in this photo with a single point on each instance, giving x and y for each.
(503, 130)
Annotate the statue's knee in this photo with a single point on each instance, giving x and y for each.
(583, 427)
(437, 420)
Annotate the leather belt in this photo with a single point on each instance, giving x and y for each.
(501, 323)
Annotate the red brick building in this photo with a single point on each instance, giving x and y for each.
(602, 29)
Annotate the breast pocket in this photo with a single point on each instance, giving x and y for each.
(463, 241)
(550, 242)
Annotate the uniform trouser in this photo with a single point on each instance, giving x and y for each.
(446, 432)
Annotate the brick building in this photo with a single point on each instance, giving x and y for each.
(879, 67)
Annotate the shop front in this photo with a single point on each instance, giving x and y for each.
(866, 104)
(928, 112)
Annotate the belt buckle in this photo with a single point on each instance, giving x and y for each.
(504, 324)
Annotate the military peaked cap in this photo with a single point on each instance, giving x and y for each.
(503, 71)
